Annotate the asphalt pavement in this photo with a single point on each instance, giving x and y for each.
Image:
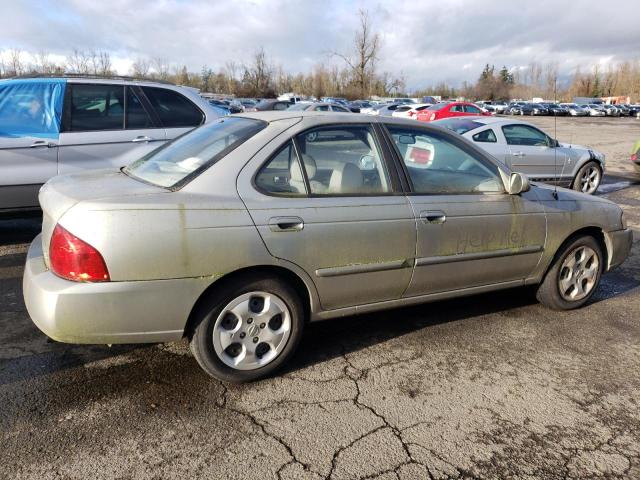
(490, 386)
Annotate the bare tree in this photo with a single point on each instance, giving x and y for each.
(365, 54)
(42, 63)
(231, 75)
(257, 77)
(16, 66)
(99, 62)
(78, 62)
(161, 68)
(140, 68)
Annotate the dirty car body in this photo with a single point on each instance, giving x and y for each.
(342, 214)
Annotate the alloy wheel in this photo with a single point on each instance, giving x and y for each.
(578, 273)
(590, 179)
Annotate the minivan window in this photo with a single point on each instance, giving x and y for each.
(137, 116)
(96, 107)
(194, 152)
(174, 109)
(31, 108)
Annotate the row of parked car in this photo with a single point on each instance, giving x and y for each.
(562, 109)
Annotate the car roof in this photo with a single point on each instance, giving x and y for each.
(487, 121)
(328, 117)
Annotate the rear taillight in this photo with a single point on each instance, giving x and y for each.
(432, 117)
(634, 157)
(74, 259)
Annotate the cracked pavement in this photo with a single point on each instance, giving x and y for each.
(490, 386)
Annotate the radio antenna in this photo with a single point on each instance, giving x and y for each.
(555, 138)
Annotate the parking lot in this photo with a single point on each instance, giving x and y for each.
(490, 386)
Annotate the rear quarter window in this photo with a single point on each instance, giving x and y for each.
(174, 109)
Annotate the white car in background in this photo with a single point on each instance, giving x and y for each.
(382, 110)
(410, 110)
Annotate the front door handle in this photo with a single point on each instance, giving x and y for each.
(435, 216)
(286, 224)
(142, 138)
(519, 154)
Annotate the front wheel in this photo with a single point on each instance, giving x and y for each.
(247, 329)
(574, 275)
(588, 178)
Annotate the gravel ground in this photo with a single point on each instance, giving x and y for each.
(491, 386)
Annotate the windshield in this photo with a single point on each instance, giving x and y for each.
(193, 152)
(458, 125)
(299, 106)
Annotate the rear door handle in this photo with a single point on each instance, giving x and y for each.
(42, 143)
(435, 216)
(286, 224)
(142, 138)
(519, 154)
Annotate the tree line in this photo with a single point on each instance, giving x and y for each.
(353, 74)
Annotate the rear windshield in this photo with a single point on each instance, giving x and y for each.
(193, 152)
(458, 125)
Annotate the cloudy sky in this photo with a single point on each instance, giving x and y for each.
(428, 41)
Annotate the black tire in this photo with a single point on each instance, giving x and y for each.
(201, 336)
(576, 185)
(548, 292)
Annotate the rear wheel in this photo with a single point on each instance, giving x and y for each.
(588, 178)
(574, 275)
(247, 329)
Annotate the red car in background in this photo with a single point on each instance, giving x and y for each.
(446, 110)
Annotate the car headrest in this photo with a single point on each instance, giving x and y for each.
(309, 165)
(346, 179)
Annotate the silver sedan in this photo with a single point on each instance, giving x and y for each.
(237, 234)
(527, 149)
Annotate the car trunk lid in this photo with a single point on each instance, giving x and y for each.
(61, 193)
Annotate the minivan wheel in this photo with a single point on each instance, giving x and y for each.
(588, 178)
(248, 329)
(574, 275)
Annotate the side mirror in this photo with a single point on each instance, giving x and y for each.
(518, 183)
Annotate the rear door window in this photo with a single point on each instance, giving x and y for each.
(343, 160)
(136, 115)
(282, 174)
(472, 109)
(31, 108)
(174, 109)
(96, 107)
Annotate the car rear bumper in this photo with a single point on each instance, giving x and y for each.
(619, 245)
(109, 312)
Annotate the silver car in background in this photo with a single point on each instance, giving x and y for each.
(242, 231)
(59, 125)
(526, 149)
(575, 110)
